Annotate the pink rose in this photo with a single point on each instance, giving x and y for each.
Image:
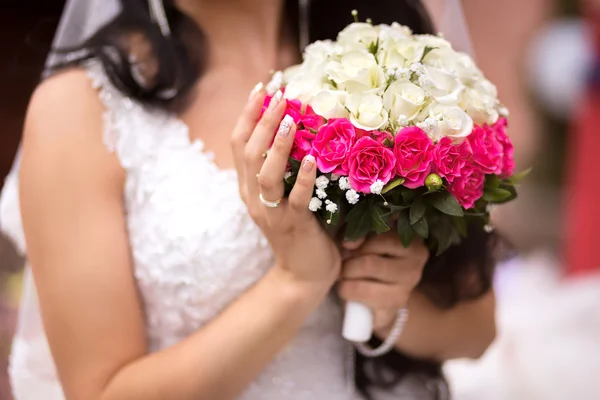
(369, 162)
(508, 159)
(414, 156)
(293, 108)
(449, 159)
(302, 144)
(333, 144)
(382, 136)
(468, 187)
(486, 150)
(310, 120)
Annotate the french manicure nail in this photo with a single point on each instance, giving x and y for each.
(285, 126)
(276, 99)
(309, 162)
(259, 86)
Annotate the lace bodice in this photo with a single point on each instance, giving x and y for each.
(195, 250)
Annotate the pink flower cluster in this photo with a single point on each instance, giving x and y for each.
(368, 157)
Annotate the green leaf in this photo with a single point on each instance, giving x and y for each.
(446, 203)
(504, 194)
(445, 235)
(373, 47)
(492, 182)
(421, 227)
(417, 210)
(517, 178)
(291, 179)
(497, 195)
(408, 195)
(378, 223)
(428, 49)
(395, 208)
(392, 185)
(460, 225)
(406, 234)
(388, 143)
(294, 164)
(358, 221)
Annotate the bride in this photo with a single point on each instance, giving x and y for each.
(159, 270)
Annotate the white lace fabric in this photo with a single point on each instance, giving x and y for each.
(195, 250)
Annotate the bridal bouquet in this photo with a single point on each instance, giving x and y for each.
(407, 134)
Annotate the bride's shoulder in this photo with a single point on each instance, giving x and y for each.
(64, 123)
(67, 97)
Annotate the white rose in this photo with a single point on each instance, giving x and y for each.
(404, 99)
(356, 71)
(389, 36)
(304, 87)
(330, 104)
(480, 106)
(358, 35)
(275, 83)
(453, 122)
(403, 53)
(465, 68)
(318, 53)
(367, 111)
(445, 88)
(433, 41)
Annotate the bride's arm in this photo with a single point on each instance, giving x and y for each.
(71, 198)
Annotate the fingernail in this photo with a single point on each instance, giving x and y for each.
(259, 86)
(285, 126)
(276, 99)
(309, 162)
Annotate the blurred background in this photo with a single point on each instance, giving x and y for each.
(538, 52)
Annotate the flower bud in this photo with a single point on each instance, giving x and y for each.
(433, 182)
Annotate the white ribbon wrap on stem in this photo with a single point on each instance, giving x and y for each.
(358, 322)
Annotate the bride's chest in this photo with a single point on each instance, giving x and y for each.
(194, 246)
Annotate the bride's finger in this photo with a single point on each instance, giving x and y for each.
(302, 192)
(243, 130)
(260, 141)
(270, 178)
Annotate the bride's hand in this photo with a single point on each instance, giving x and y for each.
(381, 274)
(301, 246)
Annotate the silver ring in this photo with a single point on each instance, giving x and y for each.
(270, 204)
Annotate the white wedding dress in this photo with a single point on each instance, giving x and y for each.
(195, 249)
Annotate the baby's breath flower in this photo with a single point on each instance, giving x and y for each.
(428, 125)
(417, 68)
(331, 206)
(377, 187)
(315, 204)
(322, 182)
(425, 82)
(321, 193)
(344, 184)
(402, 73)
(403, 120)
(352, 196)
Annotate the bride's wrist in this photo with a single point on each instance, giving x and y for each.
(298, 290)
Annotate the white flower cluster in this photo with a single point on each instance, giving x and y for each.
(385, 77)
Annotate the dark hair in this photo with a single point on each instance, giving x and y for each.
(463, 272)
